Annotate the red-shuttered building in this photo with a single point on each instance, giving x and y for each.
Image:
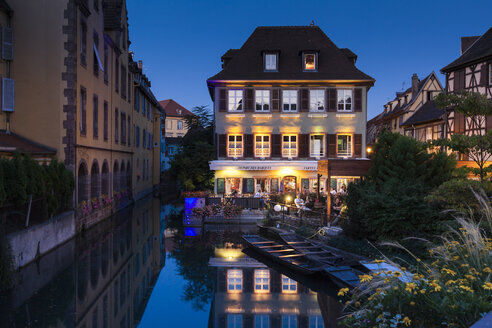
(284, 100)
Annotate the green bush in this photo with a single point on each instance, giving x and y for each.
(390, 202)
(457, 195)
(6, 263)
(15, 180)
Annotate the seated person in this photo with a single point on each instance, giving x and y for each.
(299, 203)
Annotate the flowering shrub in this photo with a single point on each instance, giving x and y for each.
(231, 210)
(106, 199)
(207, 211)
(455, 290)
(86, 208)
(195, 194)
(96, 203)
(228, 210)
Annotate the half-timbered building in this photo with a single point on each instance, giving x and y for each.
(412, 112)
(471, 72)
(287, 98)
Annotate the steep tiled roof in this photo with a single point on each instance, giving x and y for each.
(427, 113)
(171, 108)
(480, 49)
(289, 42)
(10, 142)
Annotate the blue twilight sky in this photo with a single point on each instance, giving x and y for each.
(181, 41)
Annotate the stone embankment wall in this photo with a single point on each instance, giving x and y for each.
(27, 244)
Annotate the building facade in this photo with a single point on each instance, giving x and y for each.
(147, 116)
(176, 128)
(286, 99)
(412, 112)
(471, 72)
(68, 85)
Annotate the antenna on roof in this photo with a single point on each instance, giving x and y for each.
(312, 22)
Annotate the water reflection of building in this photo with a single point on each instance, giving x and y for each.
(249, 294)
(116, 276)
(104, 281)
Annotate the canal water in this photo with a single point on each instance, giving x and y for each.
(144, 268)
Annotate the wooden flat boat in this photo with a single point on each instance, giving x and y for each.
(284, 254)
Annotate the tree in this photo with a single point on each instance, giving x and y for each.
(475, 107)
(390, 202)
(191, 164)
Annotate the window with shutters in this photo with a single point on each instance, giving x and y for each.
(235, 100)
(316, 100)
(289, 321)
(234, 321)
(123, 82)
(116, 133)
(137, 136)
(106, 58)
(262, 146)
(106, 123)
(310, 61)
(289, 100)
(262, 100)
(129, 87)
(344, 97)
(129, 130)
(7, 43)
(137, 100)
(234, 280)
(116, 75)
(262, 281)
(317, 146)
(344, 145)
(83, 42)
(95, 117)
(271, 62)
(262, 321)
(95, 57)
(235, 145)
(83, 111)
(8, 93)
(289, 286)
(123, 128)
(289, 145)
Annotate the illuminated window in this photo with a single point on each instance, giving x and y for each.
(262, 321)
(271, 62)
(316, 321)
(310, 62)
(289, 100)
(235, 146)
(235, 100)
(262, 146)
(344, 145)
(316, 100)
(234, 281)
(317, 145)
(289, 145)
(344, 100)
(262, 281)
(234, 321)
(289, 321)
(289, 286)
(262, 100)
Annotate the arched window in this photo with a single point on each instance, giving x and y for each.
(105, 178)
(116, 176)
(95, 180)
(82, 183)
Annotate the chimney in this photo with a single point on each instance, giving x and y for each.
(415, 85)
(140, 64)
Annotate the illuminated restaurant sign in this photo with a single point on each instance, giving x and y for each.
(263, 166)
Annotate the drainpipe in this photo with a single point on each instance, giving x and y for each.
(7, 118)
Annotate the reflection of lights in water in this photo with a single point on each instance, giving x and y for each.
(229, 254)
(231, 309)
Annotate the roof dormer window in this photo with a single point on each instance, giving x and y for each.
(271, 62)
(310, 61)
